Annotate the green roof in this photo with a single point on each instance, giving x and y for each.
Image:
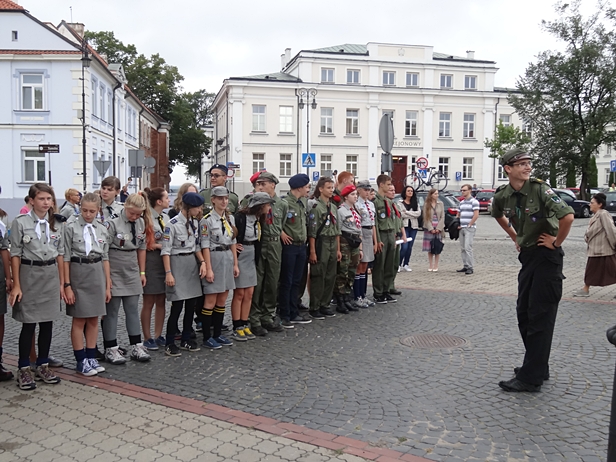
(279, 76)
(349, 48)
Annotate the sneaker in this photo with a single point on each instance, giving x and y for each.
(212, 344)
(316, 315)
(95, 365)
(287, 324)
(399, 269)
(161, 342)
(4, 374)
(303, 307)
(222, 340)
(327, 313)
(389, 298)
(113, 356)
(139, 353)
(150, 344)
(172, 350)
(85, 368)
(239, 336)
(53, 362)
(44, 373)
(189, 345)
(380, 299)
(199, 327)
(25, 381)
(360, 302)
(407, 268)
(581, 293)
(248, 333)
(368, 302)
(300, 320)
(123, 351)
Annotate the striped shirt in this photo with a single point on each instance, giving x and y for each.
(467, 210)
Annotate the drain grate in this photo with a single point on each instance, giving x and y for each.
(433, 341)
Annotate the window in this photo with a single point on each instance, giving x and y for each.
(14, 35)
(412, 79)
(258, 118)
(353, 76)
(31, 91)
(467, 168)
(258, 161)
(327, 120)
(327, 75)
(326, 162)
(101, 102)
(286, 119)
(35, 168)
(94, 98)
(410, 125)
(444, 125)
(351, 165)
(443, 166)
(119, 119)
(109, 107)
(527, 127)
(468, 130)
(607, 176)
(505, 120)
(352, 122)
(389, 78)
(501, 173)
(470, 82)
(446, 81)
(285, 164)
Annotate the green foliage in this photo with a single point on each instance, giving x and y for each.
(570, 96)
(571, 181)
(593, 173)
(612, 179)
(506, 138)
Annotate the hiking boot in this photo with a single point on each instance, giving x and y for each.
(113, 356)
(25, 379)
(139, 353)
(44, 373)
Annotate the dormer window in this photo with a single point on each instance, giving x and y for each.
(14, 35)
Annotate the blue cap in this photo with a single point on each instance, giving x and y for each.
(193, 199)
(219, 167)
(299, 181)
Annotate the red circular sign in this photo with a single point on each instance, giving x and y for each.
(421, 163)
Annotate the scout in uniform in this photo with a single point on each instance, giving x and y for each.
(37, 264)
(71, 206)
(349, 220)
(294, 239)
(155, 287)
(248, 224)
(218, 177)
(263, 309)
(246, 199)
(217, 230)
(538, 222)
(343, 179)
(110, 188)
(400, 234)
(324, 241)
(87, 281)
(184, 266)
(383, 272)
(368, 244)
(6, 284)
(127, 248)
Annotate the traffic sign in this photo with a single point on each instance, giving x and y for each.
(386, 133)
(315, 176)
(422, 163)
(309, 159)
(149, 162)
(102, 166)
(230, 173)
(612, 165)
(49, 148)
(423, 173)
(458, 176)
(136, 158)
(233, 165)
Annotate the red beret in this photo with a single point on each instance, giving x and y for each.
(348, 190)
(253, 178)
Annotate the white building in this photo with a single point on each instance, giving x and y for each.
(443, 106)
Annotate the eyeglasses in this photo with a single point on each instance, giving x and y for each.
(523, 164)
(216, 175)
(464, 190)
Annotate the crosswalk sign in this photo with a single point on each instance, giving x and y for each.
(309, 159)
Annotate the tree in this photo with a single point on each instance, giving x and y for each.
(570, 95)
(593, 173)
(506, 138)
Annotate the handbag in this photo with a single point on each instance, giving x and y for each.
(353, 240)
(436, 246)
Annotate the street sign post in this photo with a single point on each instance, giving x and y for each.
(386, 139)
(422, 172)
(309, 160)
(422, 163)
(49, 148)
(102, 166)
(458, 176)
(315, 176)
(612, 165)
(136, 157)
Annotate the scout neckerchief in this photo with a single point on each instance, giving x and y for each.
(330, 215)
(356, 217)
(37, 228)
(369, 211)
(397, 211)
(161, 222)
(88, 234)
(133, 232)
(258, 230)
(387, 208)
(226, 225)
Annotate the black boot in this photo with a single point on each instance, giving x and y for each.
(348, 302)
(340, 305)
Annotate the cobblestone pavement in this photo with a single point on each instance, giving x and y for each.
(352, 376)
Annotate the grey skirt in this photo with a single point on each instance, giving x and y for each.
(185, 270)
(222, 265)
(367, 245)
(3, 294)
(88, 284)
(40, 300)
(125, 279)
(154, 273)
(248, 269)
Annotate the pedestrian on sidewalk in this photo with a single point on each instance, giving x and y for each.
(37, 264)
(600, 237)
(410, 221)
(87, 281)
(434, 228)
(70, 208)
(538, 222)
(6, 284)
(469, 214)
(368, 244)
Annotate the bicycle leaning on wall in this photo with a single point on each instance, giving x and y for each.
(435, 179)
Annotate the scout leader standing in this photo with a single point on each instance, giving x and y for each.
(218, 177)
(538, 222)
(263, 308)
(110, 188)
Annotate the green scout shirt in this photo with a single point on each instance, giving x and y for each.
(319, 212)
(295, 225)
(534, 210)
(385, 214)
(275, 218)
(207, 205)
(397, 216)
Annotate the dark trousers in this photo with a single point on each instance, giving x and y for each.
(540, 287)
(291, 273)
(407, 249)
(174, 316)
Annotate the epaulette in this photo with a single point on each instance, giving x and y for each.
(207, 214)
(536, 180)
(232, 193)
(500, 188)
(173, 221)
(60, 218)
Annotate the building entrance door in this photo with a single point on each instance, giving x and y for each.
(399, 172)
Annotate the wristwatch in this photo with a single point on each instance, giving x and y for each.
(67, 284)
(554, 244)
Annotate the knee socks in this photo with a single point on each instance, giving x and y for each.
(206, 320)
(363, 284)
(217, 318)
(357, 286)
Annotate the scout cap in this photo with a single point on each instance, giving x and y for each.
(348, 190)
(255, 177)
(268, 176)
(193, 199)
(220, 191)
(219, 167)
(365, 184)
(514, 155)
(299, 181)
(260, 198)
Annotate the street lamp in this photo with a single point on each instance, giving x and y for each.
(85, 62)
(307, 94)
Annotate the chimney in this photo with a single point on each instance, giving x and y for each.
(283, 61)
(286, 57)
(78, 27)
(470, 54)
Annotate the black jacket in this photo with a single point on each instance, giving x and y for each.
(454, 232)
(240, 224)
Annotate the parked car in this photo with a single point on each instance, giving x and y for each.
(581, 208)
(451, 203)
(484, 197)
(610, 205)
(592, 191)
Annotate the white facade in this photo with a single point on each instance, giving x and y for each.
(444, 107)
